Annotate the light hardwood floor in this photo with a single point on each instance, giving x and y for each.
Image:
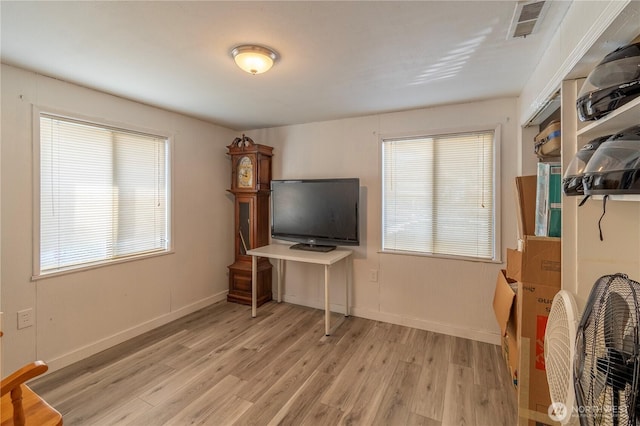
(218, 366)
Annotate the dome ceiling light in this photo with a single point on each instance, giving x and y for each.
(254, 59)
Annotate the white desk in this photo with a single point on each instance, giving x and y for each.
(282, 252)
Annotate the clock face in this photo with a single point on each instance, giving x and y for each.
(245, 173)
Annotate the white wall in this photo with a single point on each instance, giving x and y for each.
(450, 296)
(81, 313)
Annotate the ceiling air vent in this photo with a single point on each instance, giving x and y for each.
(526, 18)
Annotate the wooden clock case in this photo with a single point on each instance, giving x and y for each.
(251, 218)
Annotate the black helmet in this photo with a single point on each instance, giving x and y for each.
(615, 166)
(613, 83)
(572, 180)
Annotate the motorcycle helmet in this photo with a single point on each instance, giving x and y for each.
(611, 84)
(614, 167)
(572, 180)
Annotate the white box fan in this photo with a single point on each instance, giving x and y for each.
(559, 351)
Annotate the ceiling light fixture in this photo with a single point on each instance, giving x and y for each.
(254, 59)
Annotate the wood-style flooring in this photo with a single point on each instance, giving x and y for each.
(218, 366)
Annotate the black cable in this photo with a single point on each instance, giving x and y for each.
(604, 210)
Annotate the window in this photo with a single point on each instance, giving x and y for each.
(103, 194)
(439, 195)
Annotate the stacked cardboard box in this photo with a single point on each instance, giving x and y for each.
(534, 269)
(538, 277)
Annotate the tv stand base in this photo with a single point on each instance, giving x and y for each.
(312, 247)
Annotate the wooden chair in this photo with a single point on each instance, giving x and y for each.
(22, 406)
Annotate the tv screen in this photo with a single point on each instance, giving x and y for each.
(317, 213)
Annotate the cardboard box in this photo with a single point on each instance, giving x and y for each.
(505, 309)
(514, 264)
(538, 263)
(526, 187)
(511, 355)
(533, 307)
(537, 269)
(504, 303)
(549, 200)
(536, 419)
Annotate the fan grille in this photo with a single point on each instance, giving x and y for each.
(559, 350)
(606, 360)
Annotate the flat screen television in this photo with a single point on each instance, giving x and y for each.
(318, 214)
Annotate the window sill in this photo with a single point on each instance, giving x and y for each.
(439, 256)
(73, 270)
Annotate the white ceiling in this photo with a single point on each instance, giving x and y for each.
(338, 59)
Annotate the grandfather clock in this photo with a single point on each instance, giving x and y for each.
(250, 186)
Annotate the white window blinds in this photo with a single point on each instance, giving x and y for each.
(438, 195)
(103, 194)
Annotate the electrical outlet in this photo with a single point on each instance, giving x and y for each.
(373, 275)
(25, 318)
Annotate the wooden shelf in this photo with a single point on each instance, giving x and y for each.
(623, 117)
(621, 197)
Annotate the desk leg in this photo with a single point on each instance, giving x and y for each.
(327, 311)
(254, 285)
(279, 278)
(349, 282)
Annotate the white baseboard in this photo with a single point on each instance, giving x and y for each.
(422, 324)
(122, 336)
